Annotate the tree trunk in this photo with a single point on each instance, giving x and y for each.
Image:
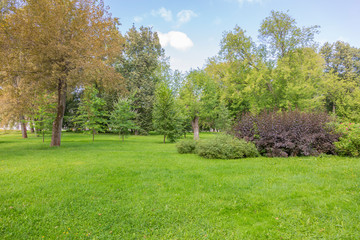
(23, 127)
(334, 109)
(195, 126)
(60, 110)
(136, 132)
(43, 133)
(93, 134)
(164, 139)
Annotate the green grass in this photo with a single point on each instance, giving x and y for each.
(143, 189)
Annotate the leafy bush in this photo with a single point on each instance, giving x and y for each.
(226, 147)
(349, 142)
(186, 146)
(283, 134)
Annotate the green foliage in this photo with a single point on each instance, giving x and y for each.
(186, 146)
(165, 115)
(121, 118)
(342, 80)
(90, 115)
(44, 114)
(297, 81)
(226, 147)
(349, 142)
(140, 59)
(280, 33)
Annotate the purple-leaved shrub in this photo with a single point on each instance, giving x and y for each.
(283, 134)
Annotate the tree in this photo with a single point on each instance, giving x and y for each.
(280, 33)
(139, 61)
(121, 118)
(74, 43)
(342, 59)
(342, 79)
(91, 116)
(44, 114)
(165, 114)
(199, 98)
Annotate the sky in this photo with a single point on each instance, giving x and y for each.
(190, 31)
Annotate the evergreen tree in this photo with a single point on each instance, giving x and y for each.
(44, 114)
(165, 114)
(121, 118)
(91, 116)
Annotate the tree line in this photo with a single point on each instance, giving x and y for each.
(72, 68)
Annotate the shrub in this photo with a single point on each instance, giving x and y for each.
(226, 147)
(186, 146)
(283, 134)
(349, 142)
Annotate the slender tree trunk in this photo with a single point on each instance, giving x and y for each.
(93, 134)
(195, 126)
(60, 110)
(334, 108)
(136, 132)
(43, 133)
(23, 127)
(164, 139)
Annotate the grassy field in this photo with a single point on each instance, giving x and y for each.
(143, 189)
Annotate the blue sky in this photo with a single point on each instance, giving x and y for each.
(190, 31)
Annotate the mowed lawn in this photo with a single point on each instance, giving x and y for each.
(143, 189)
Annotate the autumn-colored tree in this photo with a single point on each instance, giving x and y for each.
(73, 44)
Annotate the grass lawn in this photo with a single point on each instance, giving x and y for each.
(143, 189)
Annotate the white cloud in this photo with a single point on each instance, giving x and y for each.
(138, 19)
(164, 13)
(177, 40)
(185, 16)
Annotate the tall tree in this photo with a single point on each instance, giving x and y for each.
(74, 43)
(199, 99)
(281, 34)
(342, 79)
(141, 57)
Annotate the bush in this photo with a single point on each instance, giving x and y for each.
(186, 146)
(283, 134)
(349, 142)
(226, 147)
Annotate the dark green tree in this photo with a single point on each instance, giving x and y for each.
(140, 59)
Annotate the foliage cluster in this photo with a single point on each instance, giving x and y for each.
(223, 146)
(226, 147)
(349, 142)
(186, 146)
(283, 134)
